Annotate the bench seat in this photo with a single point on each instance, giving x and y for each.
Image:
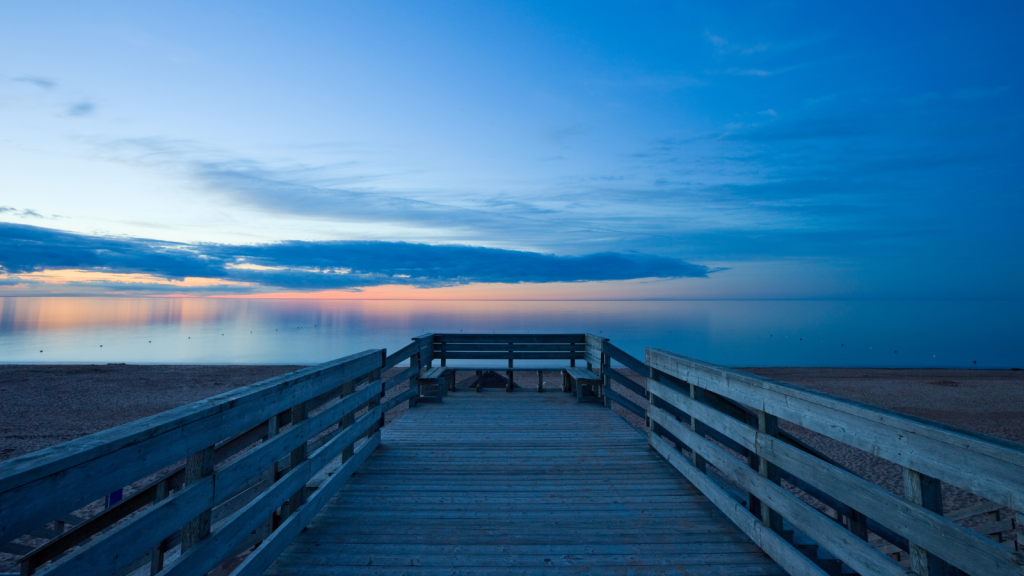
(583, 382)
(435, 383)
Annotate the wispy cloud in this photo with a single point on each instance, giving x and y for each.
(83, 108)
(804, 128)
(725, 47)
(24, 213)
(969, 93)
(37, 81)
(761, 73)
(567, 219)
(561, 136)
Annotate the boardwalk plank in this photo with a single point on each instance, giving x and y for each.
(491, 483)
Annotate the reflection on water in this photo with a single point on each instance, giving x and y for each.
(756, 333)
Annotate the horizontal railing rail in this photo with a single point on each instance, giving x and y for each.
(928, 452)
(736, 411)
(611, 352)
(215, 477)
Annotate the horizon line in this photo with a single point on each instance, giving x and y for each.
(822, 299)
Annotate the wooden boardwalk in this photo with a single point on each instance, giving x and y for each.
(496, 483)
(293, 475)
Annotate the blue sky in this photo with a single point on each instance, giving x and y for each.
(620, 150)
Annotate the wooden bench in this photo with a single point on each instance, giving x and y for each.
(435, 383)
(509, 371)
(585, 383)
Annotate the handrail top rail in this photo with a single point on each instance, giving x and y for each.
(46, 461)
(899, 420)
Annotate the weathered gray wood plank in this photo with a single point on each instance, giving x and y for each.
(492, 482)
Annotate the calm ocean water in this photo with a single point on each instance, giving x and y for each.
(733, 333)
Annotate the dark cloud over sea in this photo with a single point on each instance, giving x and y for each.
(320, 265)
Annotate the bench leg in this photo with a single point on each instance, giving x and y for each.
(540, 381)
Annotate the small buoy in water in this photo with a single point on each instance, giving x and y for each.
(40, 351)
(842, 344)
(975, 361)
(150, 341)
(101, 345)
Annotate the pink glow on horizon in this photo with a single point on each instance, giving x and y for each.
(616, 290)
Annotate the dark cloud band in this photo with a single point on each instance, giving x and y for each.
(321, 265)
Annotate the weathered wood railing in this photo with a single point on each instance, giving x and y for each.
(702, 394)
(206, 482)
(209, 479)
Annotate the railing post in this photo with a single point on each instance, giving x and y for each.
(348, 419)
(273, 428)
(510, 385)
(414, 380)
(606, 383)
(375, 401)
(380, 423)
(768, 425)
(197, 467)
(697, 426)
(156, 555)
(926, 492)
(754, 462)
(653, 375)
(858, 524)
(296, 457)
